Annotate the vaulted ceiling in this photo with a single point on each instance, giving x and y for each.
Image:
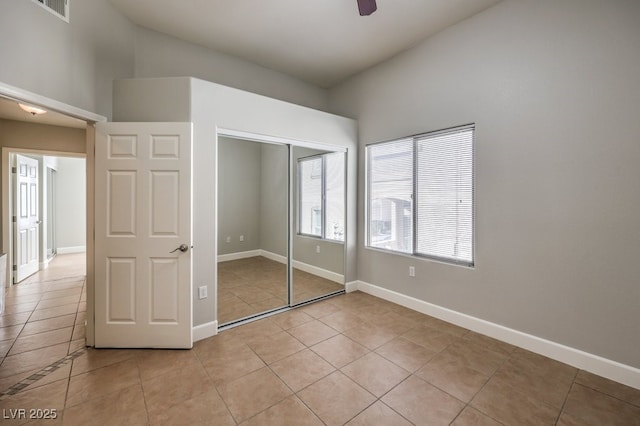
(322, 42)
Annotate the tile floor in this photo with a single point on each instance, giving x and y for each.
(257, 284)
(353, 359)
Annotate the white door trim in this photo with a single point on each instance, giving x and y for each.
(16, 93)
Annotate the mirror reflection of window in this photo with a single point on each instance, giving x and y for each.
(321, 196)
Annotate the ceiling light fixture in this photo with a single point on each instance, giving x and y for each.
(366, 7)
(32, 110)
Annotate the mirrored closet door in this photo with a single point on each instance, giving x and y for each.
(281, 226)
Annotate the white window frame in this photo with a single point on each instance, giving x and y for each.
(322, 208)
(414, 214)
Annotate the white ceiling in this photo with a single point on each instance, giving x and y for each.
(10, 110)
(322, 42)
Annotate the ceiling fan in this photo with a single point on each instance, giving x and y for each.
(366, 7)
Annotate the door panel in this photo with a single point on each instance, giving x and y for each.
(143, 214)
(27, 229)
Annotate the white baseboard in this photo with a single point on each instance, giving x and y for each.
(324, 273)
(70, 250)
(351, 286)
(203, 331)
(314, 270)
(595, 364)
(238, 255)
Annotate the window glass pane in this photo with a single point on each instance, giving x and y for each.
(444, 195)
(390, 174)
(334, 192)
(310, 208)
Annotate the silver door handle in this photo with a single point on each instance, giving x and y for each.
(183, 248)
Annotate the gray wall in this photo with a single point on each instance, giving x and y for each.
(553, 89)
(239, 195)
(73, 62)
(274, 190)
(160, 55)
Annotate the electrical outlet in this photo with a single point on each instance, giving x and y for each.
(241, 237)
(317, 249)
(412, 271)
(202, 292)
(228, 239)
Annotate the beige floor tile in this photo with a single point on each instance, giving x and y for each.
(422, 403)
(275, 347)
(586, 406)
(263, 327)
(50, 397)
(430, 338)
(320, 309)
(75, 345)
(57, 294)
(19, 308)
(339, 350)
(375, 373)
(41, 340)
(175, 387)
(94, 359)
(5, 346)
(123, 407)
(253, 393)
(512, 405)
(207, 408)
(34, 327)
(312, 332)
(380, 415)
(489, 343)
(231, 363)
(395, 323)
(291, 319)
(342, 320)
(10, 332)
(158, 362)
(103, 381)
(56, 311)
(472, 417)
(453, 376)
(609, 387)
(58, 301)
(289, 412)
(336, 399)
(61, 373)
(406, 354)
(14, 319)
(369, 335)
(302, 369)
(538, 383)
(32, 360)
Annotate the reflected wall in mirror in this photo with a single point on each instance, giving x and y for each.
(253, 224)
(318, 201)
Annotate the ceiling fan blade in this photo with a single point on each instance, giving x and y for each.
(367, 7)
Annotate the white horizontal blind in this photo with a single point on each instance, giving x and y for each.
(310, 196)
(444, 195)
(389, 191)
(334, 196)
(420, 195)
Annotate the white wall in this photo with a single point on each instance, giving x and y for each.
(553, 89)
(73, 62)
(71, 205)
(160, 55)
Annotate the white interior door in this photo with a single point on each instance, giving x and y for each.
(143, 218)
(27, 226)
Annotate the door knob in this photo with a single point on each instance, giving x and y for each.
(183, 248)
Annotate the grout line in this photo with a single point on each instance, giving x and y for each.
(41, 374)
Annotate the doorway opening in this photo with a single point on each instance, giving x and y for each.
(47, 204)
